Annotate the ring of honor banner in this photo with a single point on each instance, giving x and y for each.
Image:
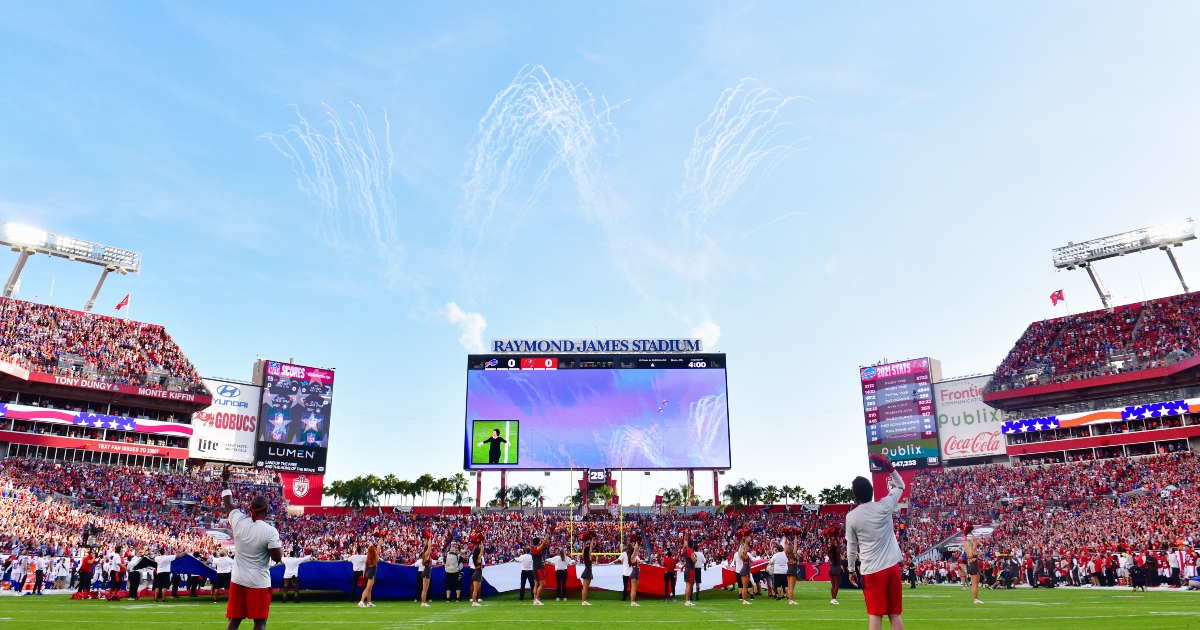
(293, 431)
(227, 430)
(898, 409)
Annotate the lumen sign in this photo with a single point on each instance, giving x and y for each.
(966, 426)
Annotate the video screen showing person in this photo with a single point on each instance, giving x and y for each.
(495, 442)
(296, 410)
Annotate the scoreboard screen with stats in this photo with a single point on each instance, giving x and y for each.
(898, 413)
(638, 412)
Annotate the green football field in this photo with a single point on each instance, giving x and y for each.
(925, 607)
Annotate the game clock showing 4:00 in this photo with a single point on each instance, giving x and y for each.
(898, 413)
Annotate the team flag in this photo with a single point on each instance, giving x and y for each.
(1055, 297)
(125, 302)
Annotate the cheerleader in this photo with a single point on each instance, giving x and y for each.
(689, 570)
(476, 567)
(589, 539)
(793, 566)
(742, 564)
(635, 570)
(426, 568)
(835, 563)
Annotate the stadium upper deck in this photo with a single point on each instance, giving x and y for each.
(1141, 347)
(77, 386)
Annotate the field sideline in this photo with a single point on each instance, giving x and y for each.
(926, 607)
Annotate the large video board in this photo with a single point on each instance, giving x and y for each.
(293, 431)
(556, 412)
(898, 409)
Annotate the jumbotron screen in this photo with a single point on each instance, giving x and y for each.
(556, 412)
(293, 430)
(898, 409)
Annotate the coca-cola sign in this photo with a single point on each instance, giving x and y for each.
(966, 426)
(982, 444)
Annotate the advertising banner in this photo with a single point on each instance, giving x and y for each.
(898, 412)
(227, 429)
(966, 426)
(293, 434)
(302, 489)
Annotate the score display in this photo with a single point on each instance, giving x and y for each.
(597, 412)
(898, 413)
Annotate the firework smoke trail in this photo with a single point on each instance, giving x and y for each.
(350, 177)
(537, 111)
(743, 134)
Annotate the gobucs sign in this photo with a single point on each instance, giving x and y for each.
(225, 431)
(966, 426)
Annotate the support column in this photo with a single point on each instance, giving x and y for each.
(691, 485)
(504, 488)
(1178, 272)
(716, 489)
(478, 487)
(15, 276)
(1105, 295)
(87, 308)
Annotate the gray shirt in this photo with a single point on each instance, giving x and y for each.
(251, 540)
(870, 535)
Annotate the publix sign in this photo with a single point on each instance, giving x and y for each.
(966, 426)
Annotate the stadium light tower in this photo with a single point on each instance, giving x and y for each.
(1163, 236)
(29, 241)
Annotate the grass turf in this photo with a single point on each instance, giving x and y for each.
(925, 607)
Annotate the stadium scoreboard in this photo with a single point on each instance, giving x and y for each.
(898, 412)
(550, 411)
(293, 427)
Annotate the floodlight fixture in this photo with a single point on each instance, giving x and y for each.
(30, 240)
(1164, 236)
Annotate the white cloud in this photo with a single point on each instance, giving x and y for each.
(709, 332)
(471, 325)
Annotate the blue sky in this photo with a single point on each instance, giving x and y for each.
(923, 161)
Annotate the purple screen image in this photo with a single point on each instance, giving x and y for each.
(596, 418)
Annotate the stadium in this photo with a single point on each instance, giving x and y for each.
(1071, 467)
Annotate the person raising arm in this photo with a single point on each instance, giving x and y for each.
(256, 544)
(871, 538)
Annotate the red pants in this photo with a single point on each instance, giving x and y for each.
(882, 590)
(248, 603)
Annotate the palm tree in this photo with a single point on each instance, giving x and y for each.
(443, 486)
(356, 493)
(785, 492)
(770, 494)
(803, 496)
(459, 487)
(836, 494)
(424, 484)
(743, 493)
(671, 497)
(388, 486)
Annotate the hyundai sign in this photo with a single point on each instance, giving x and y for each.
(225, 431)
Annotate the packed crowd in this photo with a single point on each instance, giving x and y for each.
(129, 488)
(61, 341)
(1067, 347)
(1074, 510)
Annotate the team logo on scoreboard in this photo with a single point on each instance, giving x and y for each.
(868, 373)
(492, 363)
(300, 486)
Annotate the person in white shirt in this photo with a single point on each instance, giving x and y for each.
(871, 538)
(255, 543)
(162, 574)
(40, 564)
(561, 562)
(701, 565)
(525, 560)
(779, 564)
(358, 564)
(626, 570)
(291, 575)
(223, 565)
